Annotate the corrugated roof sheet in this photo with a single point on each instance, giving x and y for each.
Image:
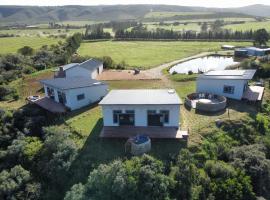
(141, 97)
(71, 83)
(229, 74)
(90, 64)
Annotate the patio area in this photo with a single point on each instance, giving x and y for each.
(50, 105)
(254, 93)
(152, 132)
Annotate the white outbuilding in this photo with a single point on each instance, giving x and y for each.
(89, 69)
(229, 83)
(74, 92)
(154, 112)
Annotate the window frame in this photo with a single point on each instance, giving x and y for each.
(166, 116)
(226, 89)
(115, 114)
(80, 97)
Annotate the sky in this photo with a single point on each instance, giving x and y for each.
(204, 3)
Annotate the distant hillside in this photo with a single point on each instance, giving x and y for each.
(35, 14)
(256, 10)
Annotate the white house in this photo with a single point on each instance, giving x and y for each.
(89, 69)
(74, 92)
(229, 83)
(141, 108)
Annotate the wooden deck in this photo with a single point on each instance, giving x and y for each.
(254, 93)
(152, 132)
(50, 105)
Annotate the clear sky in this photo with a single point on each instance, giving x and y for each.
(204, 3)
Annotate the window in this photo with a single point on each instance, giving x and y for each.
(62, 97)
(130, 112)
(80, 97)
(165, 114)
(151, 112)
(50, 92)
(116, 116)
(228, 89)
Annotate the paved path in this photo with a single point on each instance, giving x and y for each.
(157, 71)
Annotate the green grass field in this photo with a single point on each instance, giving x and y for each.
(41, 31)
(172, 14)
(148, 54)
(180, 27)
(248, 26)
(12, 44)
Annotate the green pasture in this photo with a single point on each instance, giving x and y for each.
(172, 14)
(41, 32)
(248, 26)
(148, 54)
(12, 44)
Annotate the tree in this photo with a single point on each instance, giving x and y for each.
(26, 51)
(252, 159)
(56, 155)
(227, 182)
(17, 183)
(138, 178)
(204, 27)
(261, 37)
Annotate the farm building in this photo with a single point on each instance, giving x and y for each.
(252, 51)
(89, 69)
(229, 83)
(151, 112)
(74, 92)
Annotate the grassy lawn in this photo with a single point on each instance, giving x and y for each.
(173, 14)
(248, 26)
(41, 31)
(12, 44)
(148, 54)
(180, 27)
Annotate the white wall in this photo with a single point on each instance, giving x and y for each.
(92, 94)
(216, 87)
(141, 113)
(78, 71)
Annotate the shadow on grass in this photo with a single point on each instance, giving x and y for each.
(98, 151)
(217, 113)
(243, 106)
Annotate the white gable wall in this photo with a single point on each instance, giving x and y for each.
(216, 86)
(141, 113)
(80, 71)
(77, 71)
(92, 94)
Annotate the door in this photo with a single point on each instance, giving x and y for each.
(126, 119)
(154, 120)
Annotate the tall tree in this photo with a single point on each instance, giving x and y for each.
(261, 37)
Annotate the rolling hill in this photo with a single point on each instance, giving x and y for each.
(35, 14)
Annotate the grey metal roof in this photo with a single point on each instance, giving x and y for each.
(141, 97)
(229, 74)
(91, 64)
(68, 66)
(71, 83)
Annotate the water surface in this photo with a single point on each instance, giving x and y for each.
(204, 64)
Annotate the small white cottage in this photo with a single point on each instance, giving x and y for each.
(141, 108)
(74, 92)
(229, 83)
(88, 69)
